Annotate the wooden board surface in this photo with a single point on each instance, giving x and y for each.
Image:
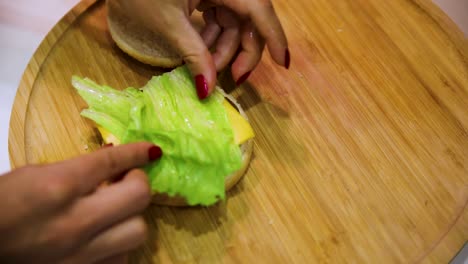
(361, 154)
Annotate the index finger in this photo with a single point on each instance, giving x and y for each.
(264, 17)
(86, 172)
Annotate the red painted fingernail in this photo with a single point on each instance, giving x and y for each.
(154, 153)
(243, 78)
(287, 59)
(202, 86)
(108, 145)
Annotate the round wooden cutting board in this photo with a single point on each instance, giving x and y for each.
(361, 148)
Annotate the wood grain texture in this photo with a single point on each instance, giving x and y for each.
(361, 151)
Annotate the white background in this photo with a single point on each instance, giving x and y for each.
(24, 23)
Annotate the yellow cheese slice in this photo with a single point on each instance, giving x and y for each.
(241, 128)
(107, 137)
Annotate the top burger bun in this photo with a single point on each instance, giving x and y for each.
(138, 41)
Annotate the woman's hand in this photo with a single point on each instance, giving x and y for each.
(232, 26)
(57, 214)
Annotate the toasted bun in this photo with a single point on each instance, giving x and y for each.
(139, 42)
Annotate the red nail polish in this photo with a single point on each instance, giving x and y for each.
(108, 145)
(154, 153)
(202, 86)
(287, 59)
(243, 78)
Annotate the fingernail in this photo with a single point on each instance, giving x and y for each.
(154, 153)
(202, 86)
(108, 145)
(243, 78)
(287, 59)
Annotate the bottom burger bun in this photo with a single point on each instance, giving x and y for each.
(242, 133)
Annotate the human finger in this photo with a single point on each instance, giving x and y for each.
(212, 29)
(119, 239)
(193, 51)
(118, 201)
(117, 259)
(83, 174)
(229, 40)
(264, 17)
(252, 47)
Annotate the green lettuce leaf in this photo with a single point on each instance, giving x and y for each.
(196, 137)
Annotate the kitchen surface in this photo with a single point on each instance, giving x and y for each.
(24, 23)
(360, 146)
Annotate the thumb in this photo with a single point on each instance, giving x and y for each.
(194, 52)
